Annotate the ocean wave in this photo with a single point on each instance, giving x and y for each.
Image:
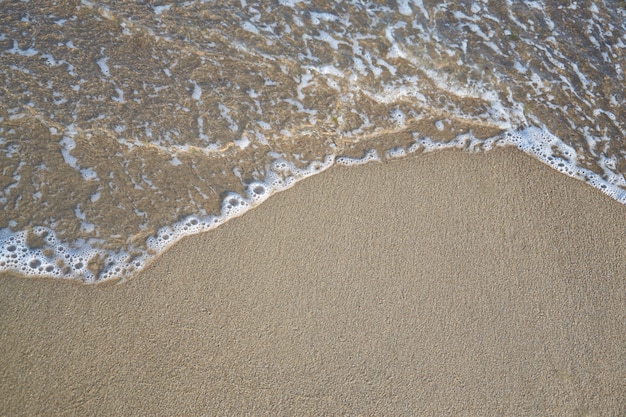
(125, 126)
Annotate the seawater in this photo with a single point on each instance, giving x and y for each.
(126, 125)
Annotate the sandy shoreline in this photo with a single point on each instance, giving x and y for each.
(372, 290)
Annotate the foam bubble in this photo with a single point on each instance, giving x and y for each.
(369, 156)
(398, 117)
(257, 191)
(233, 205)
(54, 259)
(397, 152)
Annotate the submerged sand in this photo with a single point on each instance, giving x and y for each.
(449, 284)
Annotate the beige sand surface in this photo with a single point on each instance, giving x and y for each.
(495, 287)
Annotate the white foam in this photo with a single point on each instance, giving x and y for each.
(160, 9)
(104, 68)
(242, 143)
(317, 18)
(369, 156)
(120, 96)
(404, 8)
(394, 153)
(50, 61)
(22, 52)
(257, 191)
(56, 261)
(398, 117)
(264, 125)
(328, 38)
(197, 91)
(249, 27)
(225, 113)
(536, 141)
(281, 175)
(305, 81)
(542, 144)
(68, 144)
(62, 260)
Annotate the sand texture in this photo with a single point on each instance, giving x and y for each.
(494, 287)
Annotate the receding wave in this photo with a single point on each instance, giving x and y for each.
(126, 125)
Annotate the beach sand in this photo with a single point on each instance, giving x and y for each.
(494, 287)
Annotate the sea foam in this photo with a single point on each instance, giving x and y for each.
(114, 147)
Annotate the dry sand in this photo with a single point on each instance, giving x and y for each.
(495, 287)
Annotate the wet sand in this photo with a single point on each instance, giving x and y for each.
(494, 287)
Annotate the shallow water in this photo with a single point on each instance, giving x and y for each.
(125, 125)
